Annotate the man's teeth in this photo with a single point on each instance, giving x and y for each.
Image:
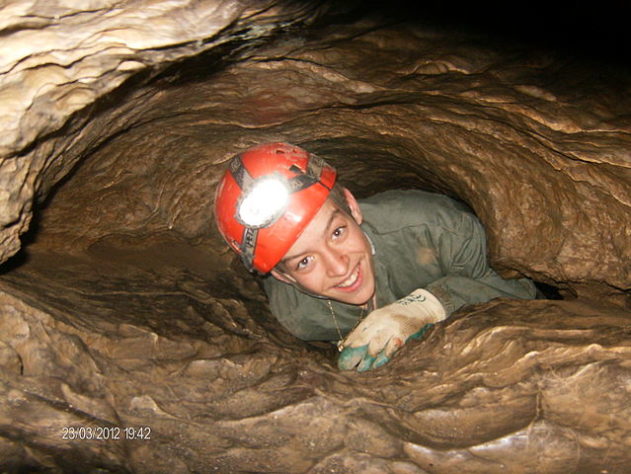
(350, 280)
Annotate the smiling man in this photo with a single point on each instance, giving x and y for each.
(370, 275)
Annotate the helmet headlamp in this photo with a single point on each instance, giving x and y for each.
(267, 197)
(264, 202)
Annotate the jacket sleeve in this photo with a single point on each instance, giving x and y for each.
(468, 277)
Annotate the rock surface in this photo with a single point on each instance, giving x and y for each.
(124, 309)
(509, 386)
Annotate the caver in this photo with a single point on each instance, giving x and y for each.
(367, 274)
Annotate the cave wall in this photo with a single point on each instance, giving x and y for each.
(125, 309)
(61, 60)
(447, 112)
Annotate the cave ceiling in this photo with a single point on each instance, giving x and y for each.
(120, 306)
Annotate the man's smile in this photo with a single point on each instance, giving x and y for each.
(352, 282)
(332, 258)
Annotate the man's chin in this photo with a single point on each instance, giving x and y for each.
(357, 299)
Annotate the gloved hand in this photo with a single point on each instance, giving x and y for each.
(382, 332)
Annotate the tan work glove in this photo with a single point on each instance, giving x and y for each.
(382, 332)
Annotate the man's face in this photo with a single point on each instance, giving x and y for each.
(332, 257)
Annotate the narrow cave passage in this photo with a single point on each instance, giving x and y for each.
(128, 237)
(125, 308)
(160, 280)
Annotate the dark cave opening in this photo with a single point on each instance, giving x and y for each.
(582, 32)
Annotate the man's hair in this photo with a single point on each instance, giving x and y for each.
(339, 199)
(337, 196)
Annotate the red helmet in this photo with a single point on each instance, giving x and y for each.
(267, 197)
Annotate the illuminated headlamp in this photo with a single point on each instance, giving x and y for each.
(264, 202)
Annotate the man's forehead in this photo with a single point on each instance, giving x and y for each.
(315, 230)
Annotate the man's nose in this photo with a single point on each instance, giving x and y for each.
(336, 262)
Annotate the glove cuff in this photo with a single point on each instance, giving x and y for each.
(430, 302)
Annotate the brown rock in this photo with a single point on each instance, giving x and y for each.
(125, 310)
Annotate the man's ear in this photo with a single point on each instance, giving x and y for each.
(282, 276)
(353, 206)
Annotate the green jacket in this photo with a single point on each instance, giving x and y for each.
(421, 240)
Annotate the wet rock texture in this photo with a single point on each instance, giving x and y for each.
(125, 310)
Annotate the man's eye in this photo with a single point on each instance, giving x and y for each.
(339, 231)
(303, 263)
